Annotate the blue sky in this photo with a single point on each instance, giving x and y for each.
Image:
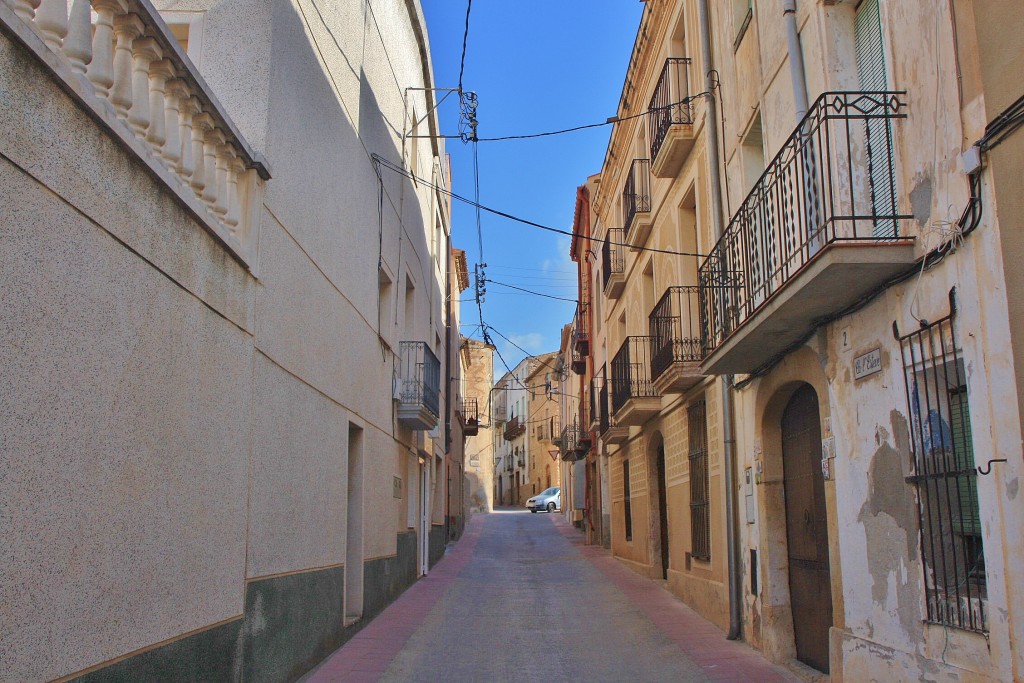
(536, 65)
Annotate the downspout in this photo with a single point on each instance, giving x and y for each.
(728, 439)
(796, 59)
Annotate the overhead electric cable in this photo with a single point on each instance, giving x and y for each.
(401, 171)
(528, 291)
(465, 38)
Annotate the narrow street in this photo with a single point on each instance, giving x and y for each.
(521, 598)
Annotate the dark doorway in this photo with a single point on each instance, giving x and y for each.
(662, 508)
(810, 585)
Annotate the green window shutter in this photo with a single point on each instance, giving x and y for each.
(871, 72)
(969, 521)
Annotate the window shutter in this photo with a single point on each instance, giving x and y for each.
(871, 72)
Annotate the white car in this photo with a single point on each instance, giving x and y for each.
(548, 499)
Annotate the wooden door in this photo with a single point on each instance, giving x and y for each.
(810, 584)
(662, 509)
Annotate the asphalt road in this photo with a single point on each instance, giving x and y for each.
(520, 598)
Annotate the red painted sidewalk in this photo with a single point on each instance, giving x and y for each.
(368, 654)
(698, 638)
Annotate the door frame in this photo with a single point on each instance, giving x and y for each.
(774, 632)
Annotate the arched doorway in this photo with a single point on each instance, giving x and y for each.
(810, 583)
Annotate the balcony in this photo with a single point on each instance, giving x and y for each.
(819, 231)
(676, 344)
(514, 428)
(417, 386)
(597, 386)
(574, 443)
(670, 119)
(636, 203)
(470, 417)
(613, 264)
(580, 339)
(634, 398)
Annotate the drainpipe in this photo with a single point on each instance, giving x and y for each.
(796, 59)
(728, 440)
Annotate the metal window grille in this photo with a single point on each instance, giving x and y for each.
(700, 513)
(945, 475)
(627, 504)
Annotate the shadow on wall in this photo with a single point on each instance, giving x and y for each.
(478, 493)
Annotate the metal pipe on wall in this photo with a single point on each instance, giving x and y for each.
(796, 59)
(728, 440)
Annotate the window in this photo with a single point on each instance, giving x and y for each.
(743, 12)
(626, 501)
(700, 518)
(945, 477)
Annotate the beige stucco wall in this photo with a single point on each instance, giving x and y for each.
(177, 423)
(126, 392)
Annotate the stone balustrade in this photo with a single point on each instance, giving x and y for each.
(120, 59)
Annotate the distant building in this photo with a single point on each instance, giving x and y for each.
(542, 470)
(478, 380)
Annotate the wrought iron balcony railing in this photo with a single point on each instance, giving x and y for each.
(833, 182)
(580, 339)
(418, 385)
(514, 428)
(569, 440)
(676, 342)
(613, 263)
(599, 401)
(669, 103)
(636, 196)
(631, 372)
(470, 416)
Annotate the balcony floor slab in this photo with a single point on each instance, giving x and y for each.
(836, 278)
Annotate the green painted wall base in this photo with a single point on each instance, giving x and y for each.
(290, 624)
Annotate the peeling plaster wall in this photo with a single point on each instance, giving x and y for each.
(877, 572)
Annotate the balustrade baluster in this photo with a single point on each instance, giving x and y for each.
(145, 51)
(175, 93)
(127, 28)
(215, 172)
(101, 68)
(159, 73)
(78, 41)
(25, 9)
(187, 108)
(235, 170)
(201, 123)
(52, 22)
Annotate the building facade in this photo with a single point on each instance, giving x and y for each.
(478, 379)
(226, 441)
(543, 426)
(808, 299)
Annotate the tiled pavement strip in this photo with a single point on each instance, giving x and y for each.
(520, 597)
